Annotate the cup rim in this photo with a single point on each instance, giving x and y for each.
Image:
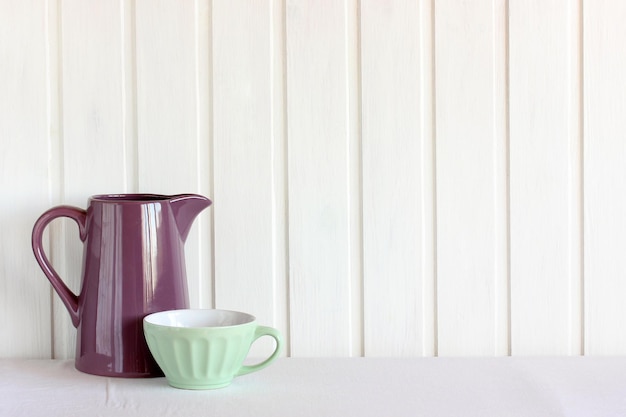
(150, 318)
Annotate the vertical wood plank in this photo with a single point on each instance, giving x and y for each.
(166, 97)
(171, 148)
(319, 110)
(93, 128)
(246, 140)
(355, 176)
(472, 282)
(203, 267)
(605, 173)
(545, 178)
(279, 168)
(93, 84)
(397, 178)
(25, 136)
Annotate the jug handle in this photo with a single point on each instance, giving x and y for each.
(70, 300)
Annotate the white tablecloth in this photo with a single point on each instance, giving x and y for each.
(575, 386)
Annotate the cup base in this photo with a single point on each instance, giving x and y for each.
(200, 386)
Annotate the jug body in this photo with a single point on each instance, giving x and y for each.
(133, 265)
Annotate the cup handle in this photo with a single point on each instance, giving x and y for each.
(259, 332)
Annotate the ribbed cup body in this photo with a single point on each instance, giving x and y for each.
(200, 357)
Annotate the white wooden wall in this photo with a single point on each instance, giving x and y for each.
(390, 177)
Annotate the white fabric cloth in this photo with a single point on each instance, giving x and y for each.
(572, 386)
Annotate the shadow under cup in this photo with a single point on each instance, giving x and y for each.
(205, 349)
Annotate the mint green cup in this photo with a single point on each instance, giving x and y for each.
(205, 349)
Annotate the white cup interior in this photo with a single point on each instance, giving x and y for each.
(199, 318)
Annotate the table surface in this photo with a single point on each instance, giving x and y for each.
(566, 386)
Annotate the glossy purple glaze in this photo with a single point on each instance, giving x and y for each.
(133, 265)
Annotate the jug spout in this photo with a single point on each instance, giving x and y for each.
(185, 208)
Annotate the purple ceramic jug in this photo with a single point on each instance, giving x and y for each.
(133, 265)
